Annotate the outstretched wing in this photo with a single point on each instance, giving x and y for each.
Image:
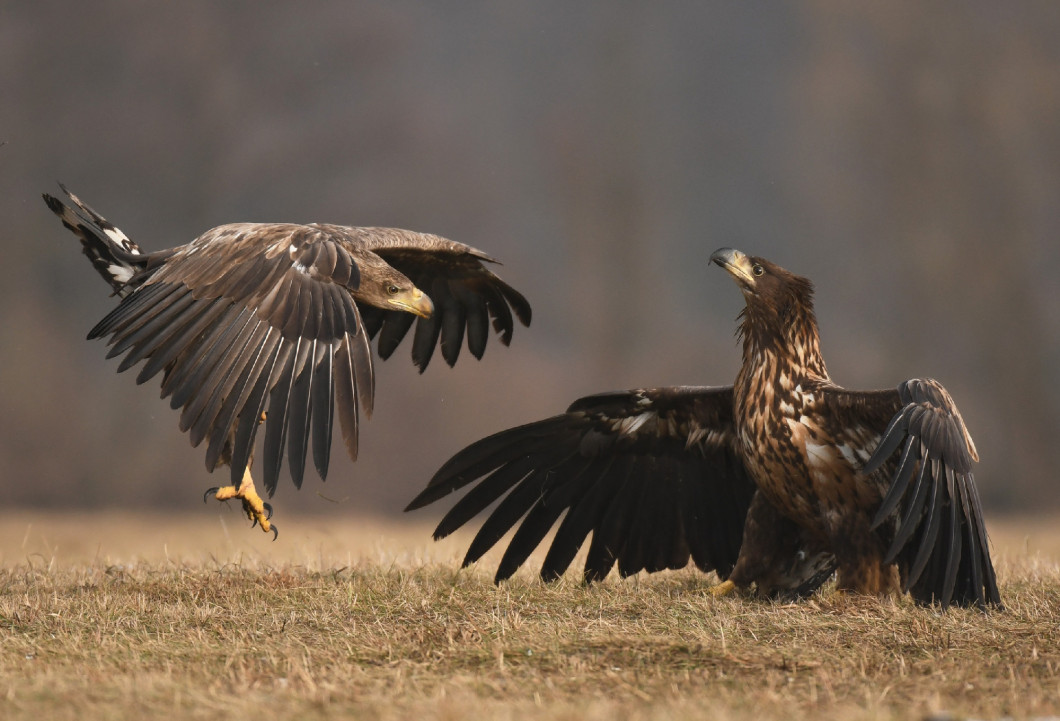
(652, 474)
(467, 296)
(940, 540)
(251, 318)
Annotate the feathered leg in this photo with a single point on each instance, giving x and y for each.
(860, 553)
(776, 556)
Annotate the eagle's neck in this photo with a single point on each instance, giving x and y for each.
(776, 387)
(781, 349)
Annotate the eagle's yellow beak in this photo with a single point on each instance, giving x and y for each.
(413, 301)
(738, 265)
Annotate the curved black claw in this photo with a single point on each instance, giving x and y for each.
(209, 492)
(268, 511)
(275, 533)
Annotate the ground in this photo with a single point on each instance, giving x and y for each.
(139, 616)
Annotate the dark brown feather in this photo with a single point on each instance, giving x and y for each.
(300, 413)
(454, 276)
(618, 464)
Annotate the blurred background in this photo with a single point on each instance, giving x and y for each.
(905, 156)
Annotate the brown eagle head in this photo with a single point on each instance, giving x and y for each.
(768, 289)
(384, 287)
(779, 304)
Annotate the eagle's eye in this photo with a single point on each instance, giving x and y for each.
(757, 269)
(393, 289)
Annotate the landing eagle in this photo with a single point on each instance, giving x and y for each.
(271, 323)
(775, 482)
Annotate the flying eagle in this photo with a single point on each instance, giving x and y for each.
(271, 323)
(776, 481)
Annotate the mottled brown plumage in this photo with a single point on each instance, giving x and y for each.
(272, 322)
(775, 482)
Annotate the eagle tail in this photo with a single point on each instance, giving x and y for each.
(113, 255)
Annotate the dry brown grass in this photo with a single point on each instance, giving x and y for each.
(147, 617)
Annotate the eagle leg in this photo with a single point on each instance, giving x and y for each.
(722, 589)
(256, 509)
(868, 576)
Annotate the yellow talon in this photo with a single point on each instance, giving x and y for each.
(722, 589)
(256, 509)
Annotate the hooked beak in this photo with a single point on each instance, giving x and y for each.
(736, 263)
(413, 301)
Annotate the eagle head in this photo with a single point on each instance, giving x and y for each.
(767, 288)
(779, 308)
(385, 287)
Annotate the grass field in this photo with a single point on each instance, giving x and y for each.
(132, 616)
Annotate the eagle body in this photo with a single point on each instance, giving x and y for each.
(811, 476)
(804, 459)
(775, 483)
(270, 325)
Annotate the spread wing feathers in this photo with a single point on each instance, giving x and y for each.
(651, 474)
(467, 296)
(251, 318)
(940, 539)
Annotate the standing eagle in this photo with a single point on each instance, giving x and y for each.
(271, 322)
(777, 481)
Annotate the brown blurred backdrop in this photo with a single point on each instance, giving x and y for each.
(905, 156)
